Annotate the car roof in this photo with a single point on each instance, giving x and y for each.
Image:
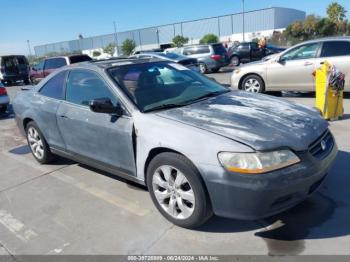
(65, 56)
(112, 62)
(331, 38)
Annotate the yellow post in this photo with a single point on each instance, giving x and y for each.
(328, 101)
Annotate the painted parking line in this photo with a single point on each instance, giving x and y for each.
(16, 227)
(127, 205)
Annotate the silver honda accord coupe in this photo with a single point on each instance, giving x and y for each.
(200, 148)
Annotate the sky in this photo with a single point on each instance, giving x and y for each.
(48, 21)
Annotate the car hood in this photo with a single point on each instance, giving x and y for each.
(260, 121)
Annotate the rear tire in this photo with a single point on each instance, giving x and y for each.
(235, 61)
(177, 190)
(253, 84)
(38, 145)
(203, 68)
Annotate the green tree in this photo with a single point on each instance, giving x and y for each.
(209, 39)
(336, 12)
(296, 30)
(109, 49)
(310, 25)
(96, 53)
(325, 27)
(128, 46)
(180, 40)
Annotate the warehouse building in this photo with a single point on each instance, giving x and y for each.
(229, 28)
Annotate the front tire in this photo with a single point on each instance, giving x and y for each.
(37, 143)
(177, 190)
(253, 84)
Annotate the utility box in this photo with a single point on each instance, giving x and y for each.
(329, 99)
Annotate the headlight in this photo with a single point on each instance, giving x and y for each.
(257, 163)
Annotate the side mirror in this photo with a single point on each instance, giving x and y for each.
(105, 106)
(280, 59)
(34, 68)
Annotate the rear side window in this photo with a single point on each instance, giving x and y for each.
(219, 49)
(22, 60)
(79, 58)
(196, 50)
(244, 47)
(84, 86)
(335, 48)
(55, 63)
(54, 88)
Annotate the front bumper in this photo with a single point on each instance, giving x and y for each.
(251, 197)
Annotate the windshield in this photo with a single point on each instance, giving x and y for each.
(160, 85)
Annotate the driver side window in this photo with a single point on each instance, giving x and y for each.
(302, 52)
(84, 86)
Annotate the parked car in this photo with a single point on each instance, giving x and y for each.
(198, 147)
(191, 63)
(292, 70)
(4, 99)
(13, 69)
(47, 66)
(155, 50)
(211, 57)
(249, 52)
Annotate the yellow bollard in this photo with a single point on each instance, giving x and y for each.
(328, 101)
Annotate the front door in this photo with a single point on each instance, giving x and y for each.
(105, 138)
(294, 69)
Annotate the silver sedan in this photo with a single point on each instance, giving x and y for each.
(292, 70)
(200, 148)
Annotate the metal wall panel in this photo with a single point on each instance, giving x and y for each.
(255, 21)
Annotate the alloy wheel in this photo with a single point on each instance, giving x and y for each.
(252, 85)
(173, 192)
(202, 68)
(35, 143)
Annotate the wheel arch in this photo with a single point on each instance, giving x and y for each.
(26, 121)
(159, 150)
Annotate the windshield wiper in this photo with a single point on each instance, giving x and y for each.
(207, 95)
(164, 106)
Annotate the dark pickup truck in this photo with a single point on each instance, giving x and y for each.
(250, 51)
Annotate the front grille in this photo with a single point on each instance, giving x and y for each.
(322, 146)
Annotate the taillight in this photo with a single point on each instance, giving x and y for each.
(216, 57)
(2, 91)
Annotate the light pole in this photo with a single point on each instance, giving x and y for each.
(116, 37)
(30, 51)
(243, 21)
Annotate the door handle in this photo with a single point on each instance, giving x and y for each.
(63, 116)
(308, 63)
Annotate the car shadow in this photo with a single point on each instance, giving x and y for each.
(326, 214)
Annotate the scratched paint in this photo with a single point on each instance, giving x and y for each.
(260, 121)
